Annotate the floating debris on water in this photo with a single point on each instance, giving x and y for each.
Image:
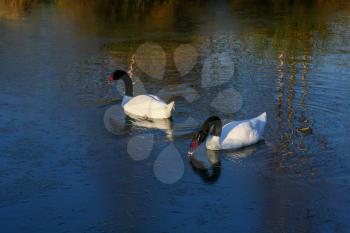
(305, 130)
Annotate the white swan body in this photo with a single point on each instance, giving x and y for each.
(237, 134)
(141, 106)
(147, 107)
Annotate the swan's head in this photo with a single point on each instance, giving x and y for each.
(212, 125)
(118, 74)
(198, 138)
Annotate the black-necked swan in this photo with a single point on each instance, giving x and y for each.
(141, 106)
(233, 135)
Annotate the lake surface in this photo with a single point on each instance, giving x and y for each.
(70, 161)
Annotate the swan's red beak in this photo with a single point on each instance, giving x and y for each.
(193, 147)
(110, 77)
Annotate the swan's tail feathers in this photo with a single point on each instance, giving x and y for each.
(170, 107)
(263, 117)
(261, 123)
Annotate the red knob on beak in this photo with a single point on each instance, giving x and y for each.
(110, 77)
(194, 145)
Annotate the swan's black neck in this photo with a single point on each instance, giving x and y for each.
(212, 125)
(129, 91)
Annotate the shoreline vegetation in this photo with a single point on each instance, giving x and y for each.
(15, 8)
(287, 30)
(321, 10)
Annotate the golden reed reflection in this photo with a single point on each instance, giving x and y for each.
(294, 125)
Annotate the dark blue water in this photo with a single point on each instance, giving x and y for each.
(70, 161)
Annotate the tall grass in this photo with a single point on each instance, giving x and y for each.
(15, 8)
(121, 6)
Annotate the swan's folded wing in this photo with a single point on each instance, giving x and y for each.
(148, 106)
(241, 133)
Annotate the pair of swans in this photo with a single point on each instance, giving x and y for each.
(233, 135)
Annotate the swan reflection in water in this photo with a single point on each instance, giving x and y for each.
(202, 163)
(118, 123)
(241, 153)
(206, 163)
